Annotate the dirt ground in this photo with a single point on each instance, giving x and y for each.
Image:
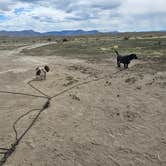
(119, 120)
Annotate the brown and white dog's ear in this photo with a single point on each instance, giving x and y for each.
(38, 72)
(46, 68)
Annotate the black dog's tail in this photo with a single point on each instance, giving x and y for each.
(117, 53)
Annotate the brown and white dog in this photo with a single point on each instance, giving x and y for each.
(41, 72)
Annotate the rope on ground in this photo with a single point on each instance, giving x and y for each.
(24, 94)
(19, 118)
(29, 83)
(83, 83)
(8, 152)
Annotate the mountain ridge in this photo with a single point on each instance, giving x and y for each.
(30, 33)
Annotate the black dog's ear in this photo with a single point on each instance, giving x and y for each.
(134, 56)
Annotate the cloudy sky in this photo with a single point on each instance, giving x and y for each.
(102, 15)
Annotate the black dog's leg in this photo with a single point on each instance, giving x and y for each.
(125, 65)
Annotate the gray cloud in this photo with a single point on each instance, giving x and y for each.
(30, 1)
(6, 5)
(70, 5)
(103, 15)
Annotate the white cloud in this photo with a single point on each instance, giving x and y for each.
(103, 15)
(139, 15)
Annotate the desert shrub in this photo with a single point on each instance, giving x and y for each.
(49, 39)
(64, 40)
(159, 43)
(126, 38)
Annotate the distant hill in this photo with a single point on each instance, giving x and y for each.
(20, 33)
(29, 33)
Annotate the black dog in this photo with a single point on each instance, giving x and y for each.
(124, 59)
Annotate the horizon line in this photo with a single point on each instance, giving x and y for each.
(82, 30)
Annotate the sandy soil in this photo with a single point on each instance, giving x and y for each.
(117, 121)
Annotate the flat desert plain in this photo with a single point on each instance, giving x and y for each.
(106, 116)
